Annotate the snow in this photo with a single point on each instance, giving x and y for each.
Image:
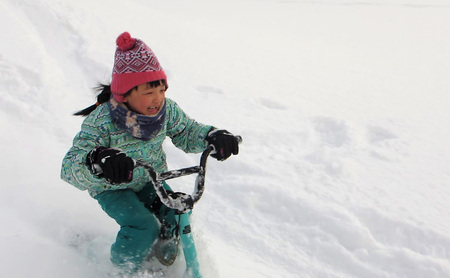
(342, 105)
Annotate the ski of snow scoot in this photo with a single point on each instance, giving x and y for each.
(183, 203)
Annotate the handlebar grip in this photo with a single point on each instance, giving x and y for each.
(239, 138)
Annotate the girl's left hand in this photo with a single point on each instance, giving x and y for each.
(224, 142)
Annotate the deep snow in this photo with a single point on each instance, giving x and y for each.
(342, 104)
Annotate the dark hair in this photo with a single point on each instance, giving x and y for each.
(104, 94)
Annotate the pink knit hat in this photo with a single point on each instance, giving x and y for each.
(134, 64)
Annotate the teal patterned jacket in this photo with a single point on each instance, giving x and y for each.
(98, 129)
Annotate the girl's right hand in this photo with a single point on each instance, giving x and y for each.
(111, 163)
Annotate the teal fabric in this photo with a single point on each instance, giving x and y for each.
(139, 226)
(98, 129)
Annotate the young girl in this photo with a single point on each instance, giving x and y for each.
(130, 120)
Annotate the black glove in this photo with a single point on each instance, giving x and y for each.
(224, 143)
(110, 163)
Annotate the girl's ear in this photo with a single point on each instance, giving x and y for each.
(127, 94)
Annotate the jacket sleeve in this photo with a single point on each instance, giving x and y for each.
(74, 169)
(186, 133)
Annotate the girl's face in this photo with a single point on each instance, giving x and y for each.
(146, 100)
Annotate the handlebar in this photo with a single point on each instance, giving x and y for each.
(179, 201)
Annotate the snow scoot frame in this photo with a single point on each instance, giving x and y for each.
(183, 204)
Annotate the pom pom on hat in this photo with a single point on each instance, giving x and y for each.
(134, 64)
(125, 41)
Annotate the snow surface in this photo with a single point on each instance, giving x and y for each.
(343, 106)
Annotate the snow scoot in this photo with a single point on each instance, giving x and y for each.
(183, 204)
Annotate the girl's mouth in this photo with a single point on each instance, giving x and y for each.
(153, 110)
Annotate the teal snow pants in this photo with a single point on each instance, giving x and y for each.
(139, 215)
